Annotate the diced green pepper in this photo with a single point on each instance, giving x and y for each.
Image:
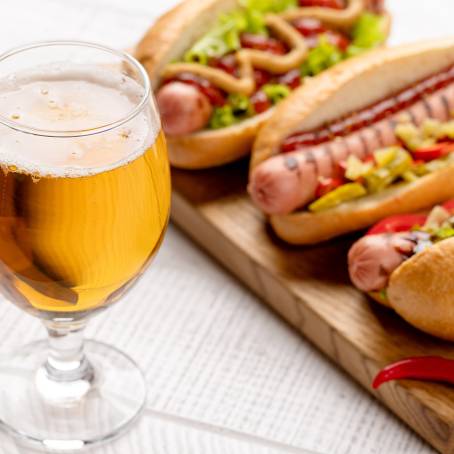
(412, 137)
(321, 57)
(382, 177)
(356, 168)
(276, 92)
(385, 155)
(222, 117)
(443, 233)
(269, 6)
(339, 195)
(409, 176)
(241, 104)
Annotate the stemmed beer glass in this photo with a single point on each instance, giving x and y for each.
(84, 203)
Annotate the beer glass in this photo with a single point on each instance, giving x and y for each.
(84, 203)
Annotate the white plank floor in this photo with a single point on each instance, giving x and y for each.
(225, 375)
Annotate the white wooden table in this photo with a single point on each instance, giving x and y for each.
(225, 375)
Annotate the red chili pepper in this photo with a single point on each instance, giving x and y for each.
(340, 168)
(431, 368)
(434, 152)
(326, 185)
(398, 223)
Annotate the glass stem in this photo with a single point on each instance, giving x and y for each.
(66, 376)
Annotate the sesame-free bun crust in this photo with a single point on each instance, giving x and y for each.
(166, 41)
(347, 87)
(421, 290)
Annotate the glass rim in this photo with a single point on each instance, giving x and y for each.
(84, 132)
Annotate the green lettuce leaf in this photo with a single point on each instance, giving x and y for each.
(366, 34)
(276, 92)
(269, 6)
(222, 117)
(321, 57)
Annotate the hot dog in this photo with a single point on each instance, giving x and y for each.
(409, 271)
(319, 166)
(242, 58)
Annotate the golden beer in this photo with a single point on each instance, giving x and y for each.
(80, 215)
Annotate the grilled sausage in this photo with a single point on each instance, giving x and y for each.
(289, 181)
(373, 258)
(183, 108)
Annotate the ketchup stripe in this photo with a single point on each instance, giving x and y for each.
(401, 101)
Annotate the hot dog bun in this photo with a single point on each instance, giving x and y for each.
(167, 40)
(347, 87)
(421, 290)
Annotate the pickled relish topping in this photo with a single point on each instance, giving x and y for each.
(246, 28)
(421, 151)
(371, 114)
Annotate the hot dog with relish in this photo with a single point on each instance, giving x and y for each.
(219, 66)
(373, 138)
(404, 262)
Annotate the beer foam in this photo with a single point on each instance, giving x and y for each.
(73, 98)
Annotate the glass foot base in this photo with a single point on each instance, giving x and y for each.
(108, 403)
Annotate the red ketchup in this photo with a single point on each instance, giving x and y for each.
(292, 79)
(264, 43)
(227, 63)
(260, 102)
(335, 4)
(309, 27)
(338, 39)
(261, 77)
(371, 114)
(214, 94)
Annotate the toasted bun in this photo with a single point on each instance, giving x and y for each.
(421, 290)
(214, 148)
(347, 87)
(166, 41)
(309, 228)
(174, 32)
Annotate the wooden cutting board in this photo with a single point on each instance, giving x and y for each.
(309, 287)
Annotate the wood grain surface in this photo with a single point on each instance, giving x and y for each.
(309, 288)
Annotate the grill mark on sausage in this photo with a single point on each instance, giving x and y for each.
(365, 148)
(427, 107)
(445, 102)
(291, 163)
(412, 116)
(310, 158)
(326, 150)
(378, 134)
